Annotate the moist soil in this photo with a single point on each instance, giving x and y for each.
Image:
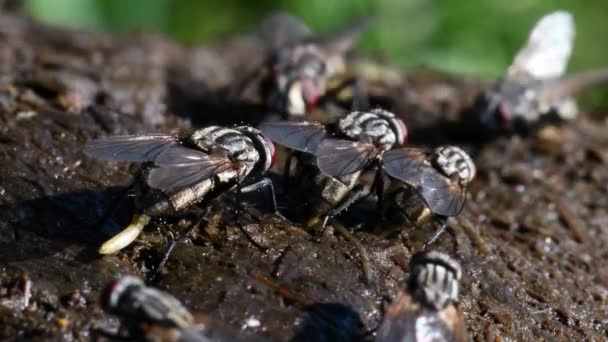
(532, 238)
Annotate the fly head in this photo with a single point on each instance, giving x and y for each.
(300, 75)
(263, 145)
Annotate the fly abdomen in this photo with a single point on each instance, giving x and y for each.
(404, 204)
(181, 199)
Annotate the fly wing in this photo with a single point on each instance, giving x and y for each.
(300, 136)
(280, 29)
(344, 39)
(133, 148)
(338, 158)
(406, 164)
(178, 167)
(442, 195)
(549, 46)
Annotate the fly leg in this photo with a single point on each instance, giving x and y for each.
(355, 195)
(266, 183)
(173, 242)
(286, 171)
(366, 266)
(360, 100)
(378, 186)
(443, 227)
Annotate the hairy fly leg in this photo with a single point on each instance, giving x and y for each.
(354, 196)
(174, 240)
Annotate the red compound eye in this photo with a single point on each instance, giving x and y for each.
(273, 151)
(504, 115)
(106, 295)
(402, 131)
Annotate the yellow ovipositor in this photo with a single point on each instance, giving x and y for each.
(126, 236)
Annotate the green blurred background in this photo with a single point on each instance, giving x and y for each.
(475, 37)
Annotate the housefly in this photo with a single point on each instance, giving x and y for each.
(427, 310)
(438, 177)
(301, 64)
(157, 315)
(181, 170)
(534, 86)
(129, 298)
(332, 158)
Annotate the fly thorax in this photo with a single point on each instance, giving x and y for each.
(434, 279)
(238, 147)
(527, 106)
(452, 160)
(368, 126)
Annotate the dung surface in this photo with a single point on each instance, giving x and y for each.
(532, 238)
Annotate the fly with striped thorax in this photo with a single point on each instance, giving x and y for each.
(297, 75)
(150, 314)
(427, 185)
(332, 158)
(535, 88)
(182, 169)
(427, 308)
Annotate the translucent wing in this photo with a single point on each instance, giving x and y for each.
(344, 39)
(442, 195)
(280, 29)
(178, 167)
(338, 158)
(299, 136)
(133, 148)
(546, 54)
(406, 164)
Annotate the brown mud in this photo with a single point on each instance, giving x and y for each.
(532, 238)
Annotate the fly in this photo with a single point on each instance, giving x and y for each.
(332, 158)
(182, 170)
(427, 310)
(439, 178)
(137, 303)
(156, 315)
(301, 64)
(534, 86)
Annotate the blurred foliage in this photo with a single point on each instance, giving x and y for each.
(476, 37)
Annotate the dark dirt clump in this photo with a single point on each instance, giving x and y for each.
(532, 239)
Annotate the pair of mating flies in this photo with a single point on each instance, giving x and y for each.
(180, 171)
(534, 88)
(425, 309)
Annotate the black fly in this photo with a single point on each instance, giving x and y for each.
(428, 309)
(534, 85)
(439, 177)
(181, 170)
(334, 157)
(296, 75)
